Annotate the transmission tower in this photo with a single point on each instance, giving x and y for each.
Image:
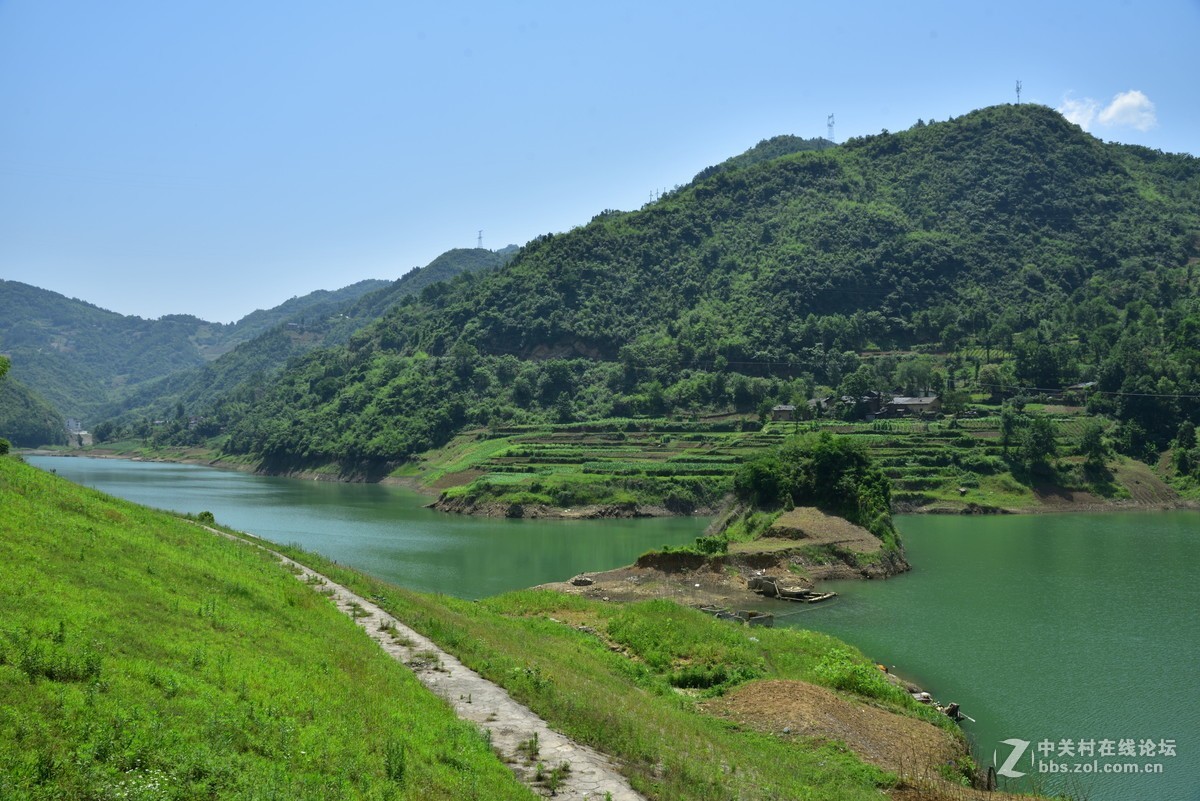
(1018, 93)
(479, 240)
(829, 125)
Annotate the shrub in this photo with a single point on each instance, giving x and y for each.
(841, 671)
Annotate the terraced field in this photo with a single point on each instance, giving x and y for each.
(688, 466)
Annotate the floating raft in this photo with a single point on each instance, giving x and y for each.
(771, 587)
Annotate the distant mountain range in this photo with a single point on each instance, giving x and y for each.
(73, 359)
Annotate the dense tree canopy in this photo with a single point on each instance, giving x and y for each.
(834, 474)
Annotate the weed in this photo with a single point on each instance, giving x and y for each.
(425, 660)
(557, 776)
(395, 761)
(529, 748)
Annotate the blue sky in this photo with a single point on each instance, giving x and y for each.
(216, 157)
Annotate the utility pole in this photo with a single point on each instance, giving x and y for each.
(1018, 93)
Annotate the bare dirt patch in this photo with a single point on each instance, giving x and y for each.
(1144, 487)
(914, 750)
(893, 742)
(459, 479)
(817, 528)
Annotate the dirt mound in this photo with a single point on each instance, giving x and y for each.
(813, 526)
(910, 748)
(890, 741)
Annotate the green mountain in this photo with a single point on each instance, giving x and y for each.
(314, 305)
(82, 359)
(767, 149)
(1008, 227)
(315, 322)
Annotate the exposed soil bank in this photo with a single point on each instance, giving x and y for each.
(590, 512)
(700, 580)
(914, 750)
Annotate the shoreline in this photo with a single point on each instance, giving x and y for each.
(1060, 505)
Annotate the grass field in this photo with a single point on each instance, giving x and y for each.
(142, 657)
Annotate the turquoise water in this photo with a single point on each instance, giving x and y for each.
(1044, 627)
(1047, 627)
(385, 531)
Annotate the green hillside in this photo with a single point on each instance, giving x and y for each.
(1006, 253)
(83, 359)
(329, 320)
(315, 305)
(143, 657)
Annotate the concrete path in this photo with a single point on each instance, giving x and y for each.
(513, 727)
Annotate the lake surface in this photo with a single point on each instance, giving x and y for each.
(1047, 627)
(1044, 627)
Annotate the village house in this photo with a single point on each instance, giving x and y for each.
(783, 412)
(901, 406)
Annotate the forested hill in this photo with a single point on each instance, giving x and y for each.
(76, 355)
(767, 149)
(998, 220)
(82, 359)
(312, 324)
(1007, 227)
(313, 305)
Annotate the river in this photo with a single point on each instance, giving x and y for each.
(1076, 630)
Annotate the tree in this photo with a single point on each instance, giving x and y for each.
(1186, 438)
(835, 474)
(991, 380)
(104, 431)
(5, 445)
(1092, 447)
(1038, 445)
(915, 374)
(1010, 422)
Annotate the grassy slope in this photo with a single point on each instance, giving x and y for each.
(626, 679)
(142, 657)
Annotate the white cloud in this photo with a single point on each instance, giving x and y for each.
(1130, 109)
(1081, 112)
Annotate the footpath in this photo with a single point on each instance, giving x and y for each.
(521, 738)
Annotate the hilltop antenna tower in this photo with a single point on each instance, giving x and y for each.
(479, 240)
(829, 126)
(1018, 93)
